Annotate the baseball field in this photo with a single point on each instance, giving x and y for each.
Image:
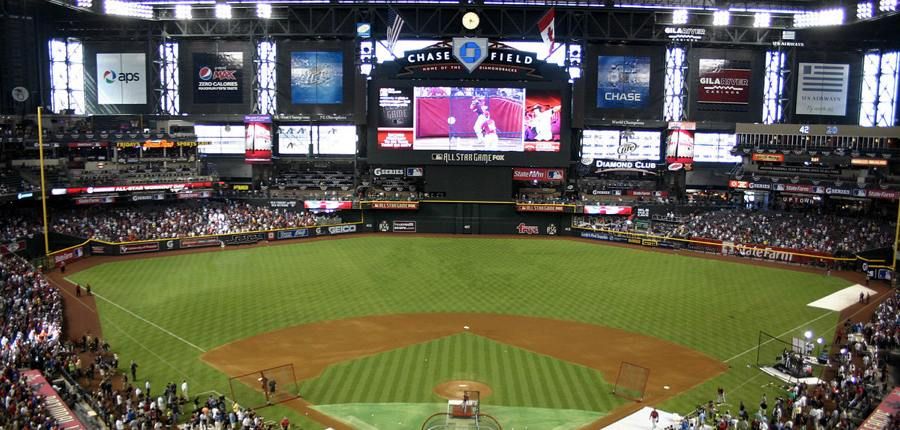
(382, 329)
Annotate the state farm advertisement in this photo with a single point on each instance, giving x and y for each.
(535, 174)
(723, 82)
(218, 77)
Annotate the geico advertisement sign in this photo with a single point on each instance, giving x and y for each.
(340, 229)
(120, 79)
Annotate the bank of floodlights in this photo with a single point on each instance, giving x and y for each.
(263, 10)
(183, 11)
(124, 8)
(223, 11)
(887, 5)
(762, 19)
(864, 10)
(679, 16)
(820, 18)
(721, 18)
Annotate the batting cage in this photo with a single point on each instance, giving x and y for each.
(631, 382)
(265, 387)
(786, 359)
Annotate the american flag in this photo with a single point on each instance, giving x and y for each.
(395, 23)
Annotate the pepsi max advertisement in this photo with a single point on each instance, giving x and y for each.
(623, 82)
(218, 77)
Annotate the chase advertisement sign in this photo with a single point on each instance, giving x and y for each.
(470, 51)
(467, 55)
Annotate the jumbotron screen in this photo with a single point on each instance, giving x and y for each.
(445, 120)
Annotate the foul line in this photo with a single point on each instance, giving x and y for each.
(144, 320)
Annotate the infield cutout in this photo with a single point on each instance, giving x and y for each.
(454, 390)
(842, 299)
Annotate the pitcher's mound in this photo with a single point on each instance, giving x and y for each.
(453, 390)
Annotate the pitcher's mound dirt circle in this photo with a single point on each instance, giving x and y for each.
(453, 390)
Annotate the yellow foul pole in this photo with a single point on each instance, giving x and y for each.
(43, 183)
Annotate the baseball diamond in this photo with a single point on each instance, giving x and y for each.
(320, 320)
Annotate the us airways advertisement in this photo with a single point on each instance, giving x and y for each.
(218, 77)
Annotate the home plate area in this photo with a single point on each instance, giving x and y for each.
(842, 299)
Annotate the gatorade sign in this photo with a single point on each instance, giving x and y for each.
(120, 79)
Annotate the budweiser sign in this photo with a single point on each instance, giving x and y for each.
(535, 174)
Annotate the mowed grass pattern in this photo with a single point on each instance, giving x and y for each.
(211, 298)
(517, 377)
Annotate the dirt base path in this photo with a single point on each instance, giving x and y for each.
(315, 347)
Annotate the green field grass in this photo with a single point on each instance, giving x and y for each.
(165, 311)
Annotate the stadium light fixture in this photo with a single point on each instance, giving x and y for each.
(87, 4)
(183, 11)
(762, 19)
(864, 10)
(721, 18)
(223, 11)
(820, 18)
(264, 10)
(124, 8)
(679, 16)
(887, 5)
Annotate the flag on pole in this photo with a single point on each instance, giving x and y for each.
(395, 23)
(546, 27)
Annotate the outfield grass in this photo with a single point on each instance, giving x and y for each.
(211, 298)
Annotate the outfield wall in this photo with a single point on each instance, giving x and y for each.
(461, 217)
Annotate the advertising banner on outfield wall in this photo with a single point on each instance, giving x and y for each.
(772, 253)
(403, 226)
(538, 174)
(67, 256)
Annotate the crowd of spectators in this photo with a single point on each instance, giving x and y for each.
(30, 331)
(16, 226)
(802, 231)
(181, 220)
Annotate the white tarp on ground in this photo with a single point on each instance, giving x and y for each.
(842, 299)
(640, 420)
